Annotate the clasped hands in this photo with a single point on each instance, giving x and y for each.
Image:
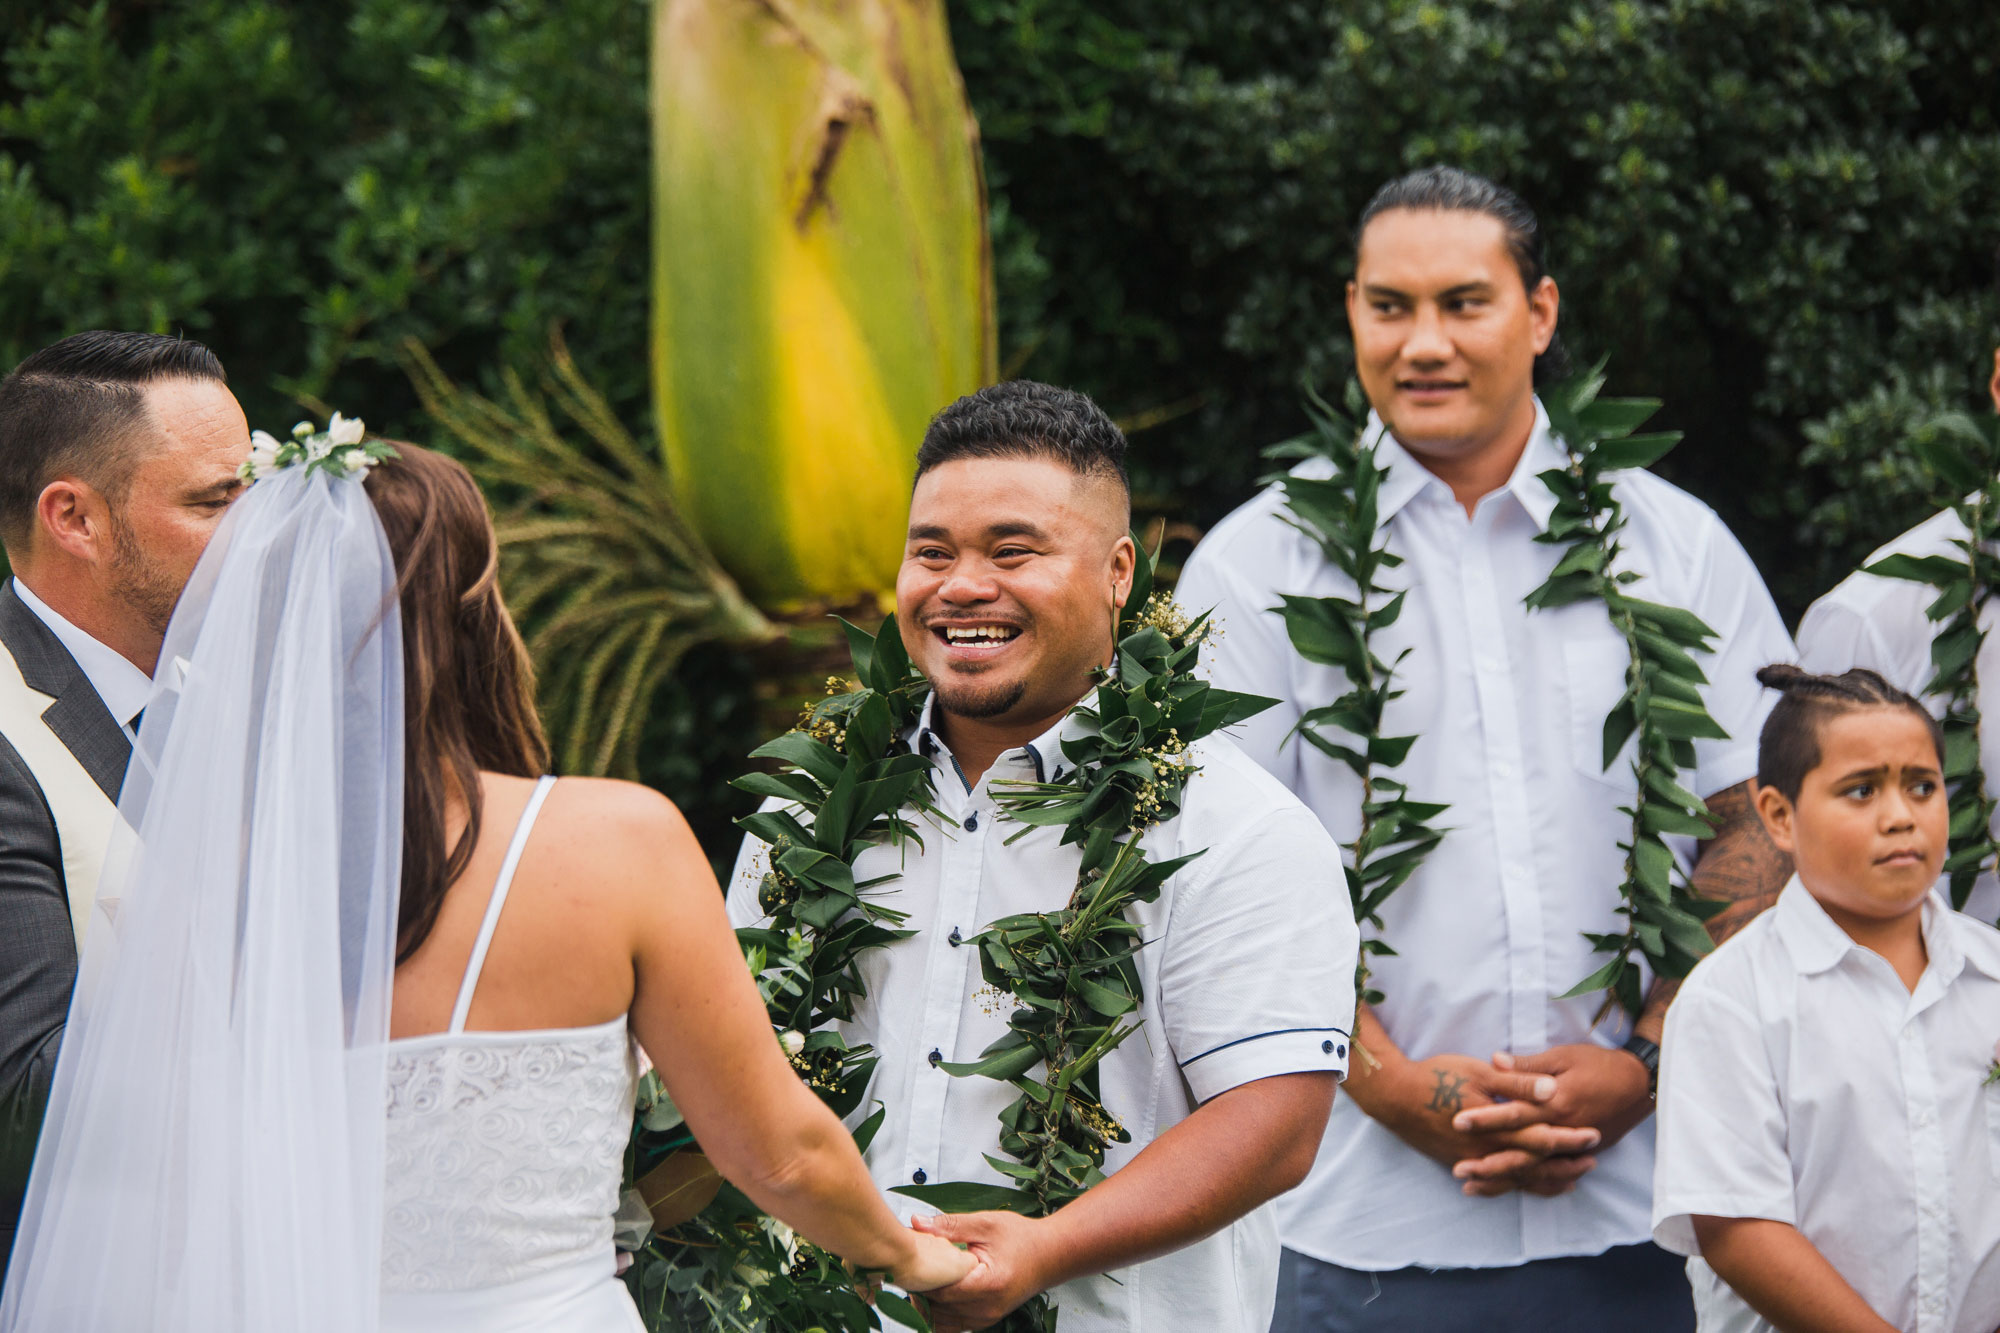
(1005, 1261)
(1529, 1122)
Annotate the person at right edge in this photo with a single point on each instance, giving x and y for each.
(1879, 623)
(1496, 1155)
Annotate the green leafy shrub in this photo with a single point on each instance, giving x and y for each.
(1770, 213)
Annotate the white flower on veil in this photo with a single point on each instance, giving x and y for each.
(342, 449)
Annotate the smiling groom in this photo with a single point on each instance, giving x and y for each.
(1017, 562)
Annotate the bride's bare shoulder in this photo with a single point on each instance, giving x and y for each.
(616, 826)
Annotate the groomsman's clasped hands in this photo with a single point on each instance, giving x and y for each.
(1828, 1150)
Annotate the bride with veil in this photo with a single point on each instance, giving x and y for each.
(352, 1046)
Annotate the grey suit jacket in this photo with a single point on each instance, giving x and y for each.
(37, 940)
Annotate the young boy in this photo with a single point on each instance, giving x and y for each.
(1829, 1139)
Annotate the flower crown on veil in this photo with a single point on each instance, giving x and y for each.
(341, 450)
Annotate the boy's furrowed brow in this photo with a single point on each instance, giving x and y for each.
(1879, 771)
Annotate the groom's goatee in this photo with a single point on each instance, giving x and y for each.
(978, 704)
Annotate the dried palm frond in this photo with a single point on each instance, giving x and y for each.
(609, 583)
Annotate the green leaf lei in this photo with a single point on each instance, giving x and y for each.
(848, 784)
(1339, 514)
(1071, 971)
(1963, 452)
(849, 778)
(1662, 703)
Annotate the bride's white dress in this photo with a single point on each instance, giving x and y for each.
(504, 1157)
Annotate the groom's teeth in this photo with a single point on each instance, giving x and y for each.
(975, 633)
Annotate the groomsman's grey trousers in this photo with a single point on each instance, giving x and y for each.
(1631, 1288)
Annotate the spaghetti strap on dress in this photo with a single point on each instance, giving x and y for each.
(505, 1155)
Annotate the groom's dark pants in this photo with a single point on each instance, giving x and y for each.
(1632, 1289)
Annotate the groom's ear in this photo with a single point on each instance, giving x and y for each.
(74, 517)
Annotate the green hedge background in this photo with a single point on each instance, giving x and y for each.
(1778, 215)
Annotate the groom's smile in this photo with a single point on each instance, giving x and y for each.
(1006, 590)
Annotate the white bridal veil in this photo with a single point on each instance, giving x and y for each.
(212, 1156)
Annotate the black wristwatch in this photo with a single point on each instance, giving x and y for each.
(1648, 1054)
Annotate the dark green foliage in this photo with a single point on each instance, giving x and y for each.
(304, 186)
(1779, 216)
(1963, 455)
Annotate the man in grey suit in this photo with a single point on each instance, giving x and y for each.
(118, 458)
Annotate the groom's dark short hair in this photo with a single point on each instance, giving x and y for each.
(1027, 419)
(79, 407)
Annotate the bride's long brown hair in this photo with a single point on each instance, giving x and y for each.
(468, 686)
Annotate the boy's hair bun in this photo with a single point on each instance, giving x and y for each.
(1781, 675)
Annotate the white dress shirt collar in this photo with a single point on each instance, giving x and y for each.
(1044, 752)
(122, 686)
(1817, 943)
(1409, 478)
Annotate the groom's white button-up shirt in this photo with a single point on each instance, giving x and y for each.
(1247, 973)
(1508, 708)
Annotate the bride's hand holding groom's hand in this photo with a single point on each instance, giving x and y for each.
(933, 1262)
(1007, 1265)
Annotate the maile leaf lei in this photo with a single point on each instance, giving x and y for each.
(1963, 453)
(849, 782)
(1661, 705)
(1070, 971)
(1339, 513)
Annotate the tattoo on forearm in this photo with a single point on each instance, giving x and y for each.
(1448, 1097)
(1739, 865)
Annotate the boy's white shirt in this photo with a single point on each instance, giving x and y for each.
(1802, 1082)
(1879, 623)
(1247, 972)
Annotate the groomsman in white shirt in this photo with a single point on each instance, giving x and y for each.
(1019, 526)
(1879, 623)
(1497, 1162)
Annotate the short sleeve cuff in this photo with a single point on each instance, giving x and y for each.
(1266, 1055)
(1673, 1228)
(1727, 769)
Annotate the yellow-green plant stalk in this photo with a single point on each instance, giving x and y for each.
(822, 277)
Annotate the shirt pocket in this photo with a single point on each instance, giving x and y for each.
(1594, 672)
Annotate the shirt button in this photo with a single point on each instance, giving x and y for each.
(972, 822)
(917, 1177)
(955, 939)
(936, 1055)
(1326, 1047)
